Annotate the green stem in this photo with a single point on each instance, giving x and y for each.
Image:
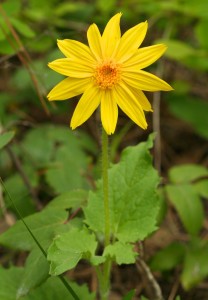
(105, 164)
(104, 275)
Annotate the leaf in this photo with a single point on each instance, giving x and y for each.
(134, 203)
(43, 225)
(188, 205)
(5, 138)
(35, 272)
(10, 279)
(195, 115)
(195, 8)
(53, 289)
(67, 200)
(68, 170)
(46, 143)
(201, 188)
(201, 33)
(121, 253)
(12, 7)
(96, 260)
(198, 62)
(168, 258)
(130, 295)
(7, 49)
(69, 248)
(44, 44)
(187, 173)
(195, 267)
(22, 28)
(60, 153)
(48, 139)
(20, 194)
(177, 50)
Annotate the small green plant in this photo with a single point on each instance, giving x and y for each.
(81, 201)
(123, 208)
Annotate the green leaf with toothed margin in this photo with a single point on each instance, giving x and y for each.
(134, 202)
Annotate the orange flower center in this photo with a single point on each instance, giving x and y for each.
(107, 74)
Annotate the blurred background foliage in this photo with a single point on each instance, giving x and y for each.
(44, 158)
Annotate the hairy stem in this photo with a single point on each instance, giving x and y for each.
(104, 275)
(105, 164)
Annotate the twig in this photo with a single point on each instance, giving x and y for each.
(156, 125)
(152, 287)
(174, 290)
(156, 108)
(25, 179)
(23, 56)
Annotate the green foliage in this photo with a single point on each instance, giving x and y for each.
(120, 253)
(130, 295)
(67, 172)
(52, 289)
(195, 8)
(168, 258)
(191, 110)
(67, 250)
(188, 205)
(56, 150)
(187, 173)
(11, 17)
(19, 192)
(200, 31)
(70, 247)
(10, 280)
(43, 224)
(22, 28)
(195, 264)
(187, 185)
(134, 202)
(5, 138)
(35, 272)
(185, 196)
(65, 201)
(56, 160)
(177, 50)
(201, 188)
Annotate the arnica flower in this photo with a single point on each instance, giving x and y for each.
(108, 73)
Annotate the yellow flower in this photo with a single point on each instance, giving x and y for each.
(108, 73)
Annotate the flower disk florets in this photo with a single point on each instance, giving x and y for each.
(107, 74)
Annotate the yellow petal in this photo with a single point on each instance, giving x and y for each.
(130, 41)
(145, 81)
(144, 57)
(75, 68)
(68, 88)
(94, 41)
(143, 101)
(86, 106)
(130, 105)
(111, 36)
(75, 49)
(109, 111)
